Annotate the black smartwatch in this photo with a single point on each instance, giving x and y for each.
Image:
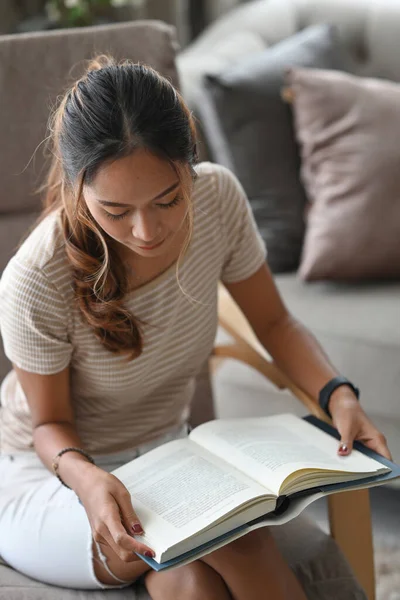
(330, 387)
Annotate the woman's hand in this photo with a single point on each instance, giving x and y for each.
(112, 519)
(353, 424)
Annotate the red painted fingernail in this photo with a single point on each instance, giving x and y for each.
(149, 554)
(137, 528)
(343, 448)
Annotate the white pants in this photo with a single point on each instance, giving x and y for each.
(44, 530)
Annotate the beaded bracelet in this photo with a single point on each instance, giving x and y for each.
(55, 462)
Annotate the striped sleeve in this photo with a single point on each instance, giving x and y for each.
(33, 320)
(245, 250)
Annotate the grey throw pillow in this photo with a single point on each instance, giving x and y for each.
(249, 129)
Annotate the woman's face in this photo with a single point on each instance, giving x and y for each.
(137, 200)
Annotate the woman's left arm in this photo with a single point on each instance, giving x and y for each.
(299, 355)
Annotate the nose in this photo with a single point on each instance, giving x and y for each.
(145, 227)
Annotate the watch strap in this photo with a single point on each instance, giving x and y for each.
(330, 387)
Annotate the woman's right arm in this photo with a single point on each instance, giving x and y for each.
(104, 497)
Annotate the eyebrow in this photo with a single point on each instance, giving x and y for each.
(119, 204)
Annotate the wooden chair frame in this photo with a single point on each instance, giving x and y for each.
(349, 512)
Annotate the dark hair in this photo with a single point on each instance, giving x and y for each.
(114, 109)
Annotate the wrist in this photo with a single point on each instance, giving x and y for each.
(334, 389)
(342, 396)
(85, 480)
(75, 470)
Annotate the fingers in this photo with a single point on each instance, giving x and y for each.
(103, 536)
(374, 439)
(345, 447)
(112, 531)
(123, 544)
(128, 515)
(346, 440)
(378, 444)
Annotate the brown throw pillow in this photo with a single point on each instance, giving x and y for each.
(349, 132)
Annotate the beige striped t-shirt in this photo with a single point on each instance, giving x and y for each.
(119, 404)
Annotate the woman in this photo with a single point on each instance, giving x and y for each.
(108, 311)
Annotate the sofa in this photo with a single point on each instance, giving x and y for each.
(357, 323)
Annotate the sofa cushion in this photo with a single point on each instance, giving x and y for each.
(226, 53)
(314, 556)
(359, 327)
(249, 129)
(34, 69)
(349, 128)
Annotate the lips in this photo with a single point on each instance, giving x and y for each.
(151, 247)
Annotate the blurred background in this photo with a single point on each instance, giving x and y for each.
(188, 16)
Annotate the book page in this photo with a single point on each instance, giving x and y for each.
(180, 488)
(270, 449)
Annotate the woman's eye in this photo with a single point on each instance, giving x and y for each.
(174, 202)
(116, 217)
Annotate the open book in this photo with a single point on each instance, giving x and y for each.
(230, 476)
